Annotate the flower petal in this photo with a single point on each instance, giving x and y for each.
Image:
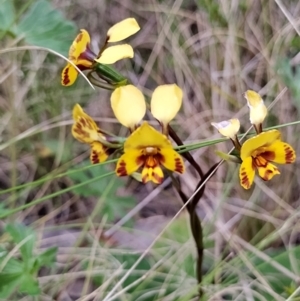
(268, 172)
(128, 104)
(172, 160)
(228, 128)
(69, 75)
(129, 162)
(84, 129)
(258, 110)
(154, 174)
(79, 45)
(122, 30)
(146, 136)
(280, 152)
(98, 152)
(264, 139)
(115, 53)
(166, 102)
(247, 173)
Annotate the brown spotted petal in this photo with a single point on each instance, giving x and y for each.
(99, 153)
(268, 172)
(129, 162)
(154, 174)
(247, 173)
(280, 152)
(171, 160)
(84, 129)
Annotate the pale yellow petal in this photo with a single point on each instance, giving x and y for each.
(247, 173)
(129, 162)
(115, 53)
(172, 160)
(123, 30)
(264, 139)
(258, 110)
(228, 128)
(166, 102)
(128, 104)
(146, 136)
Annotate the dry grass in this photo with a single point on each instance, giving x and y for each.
(215, 51)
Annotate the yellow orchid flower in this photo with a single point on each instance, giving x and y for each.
(129, 106)
(165, 103)
(258, 110)
(81, 55)
(84, 58)
(86, 130)
(147, 148)
(257, 153)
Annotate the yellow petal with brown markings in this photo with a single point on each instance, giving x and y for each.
(69, 75)
(171, 160)
(154, 174)
(84, 129)
(268, 172)
(247, 173)
(129, 162)
(280, 152)
(98, 153)
(264, 139)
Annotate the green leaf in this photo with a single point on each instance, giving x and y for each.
(10, 276)
(47, 258)
(8, 288)
(29, 285)
(19, 233)
(7, 15)
(46, 27)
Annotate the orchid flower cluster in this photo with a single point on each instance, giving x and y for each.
(259, 152)
(146, 148)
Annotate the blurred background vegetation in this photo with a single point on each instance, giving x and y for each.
(70, 231)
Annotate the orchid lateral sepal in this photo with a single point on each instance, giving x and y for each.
(229, 157)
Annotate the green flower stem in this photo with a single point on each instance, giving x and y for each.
(111, 75)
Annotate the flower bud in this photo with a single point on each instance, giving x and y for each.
(258, 110)
(228, 128)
